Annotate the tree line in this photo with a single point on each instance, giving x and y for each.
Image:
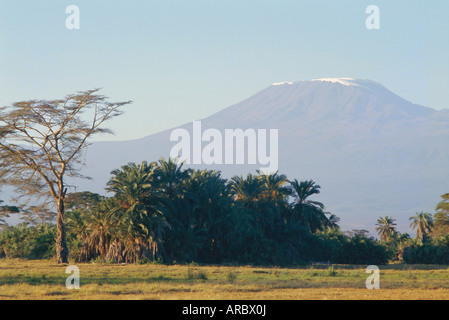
(163, 212)
(431, 243)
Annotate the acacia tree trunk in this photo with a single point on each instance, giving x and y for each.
(62, 252)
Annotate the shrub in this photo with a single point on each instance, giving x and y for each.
(26, 242)
(196, 275)
(432, 252)
(232, 276)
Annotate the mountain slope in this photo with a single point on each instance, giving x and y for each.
(373, 153)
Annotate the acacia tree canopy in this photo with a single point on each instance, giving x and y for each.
(42, 143)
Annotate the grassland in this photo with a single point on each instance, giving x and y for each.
(24, 279)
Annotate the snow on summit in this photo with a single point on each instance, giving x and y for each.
(349, 82)
(281, 83)
(343, 81)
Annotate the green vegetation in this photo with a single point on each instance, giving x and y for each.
(163, 213)
(441, 223)
(36, 242)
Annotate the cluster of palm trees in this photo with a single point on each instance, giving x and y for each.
(422, 222)
(160, 210)
(431, 244)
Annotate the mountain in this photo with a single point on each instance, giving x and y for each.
(373, 153)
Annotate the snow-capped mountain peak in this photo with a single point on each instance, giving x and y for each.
(343, 81)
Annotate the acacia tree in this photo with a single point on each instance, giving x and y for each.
(42, 143)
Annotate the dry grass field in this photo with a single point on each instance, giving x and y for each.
(24, 279)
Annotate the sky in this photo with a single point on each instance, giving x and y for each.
(180, 61)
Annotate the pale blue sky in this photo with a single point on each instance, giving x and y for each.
(184, 60)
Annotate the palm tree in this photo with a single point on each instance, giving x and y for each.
(76, 223)
(169, 175)
(256, 215)
(275, 188)
(303, 190)
(248, 191)
(386, 227)
(210, 192)
(100, 228)
(423, 223)
(441, 217)
(140, 223)
(187, 235)
(131, 183)
(310, 213)
(332, 221)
